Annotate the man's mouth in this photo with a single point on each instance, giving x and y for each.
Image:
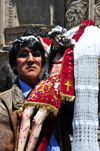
(31, 67)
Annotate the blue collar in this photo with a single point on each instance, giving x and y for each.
(25, 88)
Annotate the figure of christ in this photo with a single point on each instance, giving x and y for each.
(43, 100)
(38, 98)
(36, 127)
(45, 97)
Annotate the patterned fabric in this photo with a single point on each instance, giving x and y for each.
(66, 77)
(46, 94)
(85, 122)
(56, 67)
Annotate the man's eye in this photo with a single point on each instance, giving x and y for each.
(36, 54)
(23, 55)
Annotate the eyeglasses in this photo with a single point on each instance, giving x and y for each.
(25, 54)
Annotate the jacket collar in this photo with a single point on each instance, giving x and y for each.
(17, 95)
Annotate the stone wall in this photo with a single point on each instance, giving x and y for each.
(17, 15)
(3, 57)
(34, 11)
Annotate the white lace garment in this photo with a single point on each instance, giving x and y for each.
(85, 121)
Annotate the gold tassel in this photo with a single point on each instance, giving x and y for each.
(37, 105)
(65, 97)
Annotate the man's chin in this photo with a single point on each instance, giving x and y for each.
(31, 76)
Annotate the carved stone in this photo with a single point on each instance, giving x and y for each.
(76, 11)
(91, 9)
(11, 18)
(2, 21)
(97, 13)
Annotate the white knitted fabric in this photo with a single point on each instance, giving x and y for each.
(85, 121)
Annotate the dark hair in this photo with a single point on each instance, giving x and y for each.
(54, 34)
(61, 40)
(30, 42)
(36, 31)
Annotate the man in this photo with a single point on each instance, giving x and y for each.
(7, 76)
(26, 57)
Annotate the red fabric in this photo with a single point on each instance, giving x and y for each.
(47, 40)
(82, 26)
(47, 132)
(66, 75)
(46, 92)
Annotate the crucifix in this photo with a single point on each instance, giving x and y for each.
(68, 85)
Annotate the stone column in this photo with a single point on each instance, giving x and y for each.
(62, 13)
(91, 9)
(51, 12)
(2, 21)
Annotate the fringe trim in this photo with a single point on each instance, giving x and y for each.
(20, 111)
(37, 105)
(65, 97)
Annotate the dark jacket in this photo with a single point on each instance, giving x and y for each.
(10, 103)
(7, 77)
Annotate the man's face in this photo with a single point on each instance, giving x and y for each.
(55, 43)
(28, 64)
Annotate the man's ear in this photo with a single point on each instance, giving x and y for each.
(14, 68)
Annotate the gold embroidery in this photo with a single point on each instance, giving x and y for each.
(68, 85)
(55, 98)
(41, 89)
(54, 78)
(32, 95)
(49, 86)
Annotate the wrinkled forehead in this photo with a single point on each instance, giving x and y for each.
(24, 48)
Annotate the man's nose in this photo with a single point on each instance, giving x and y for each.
(30, 57)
